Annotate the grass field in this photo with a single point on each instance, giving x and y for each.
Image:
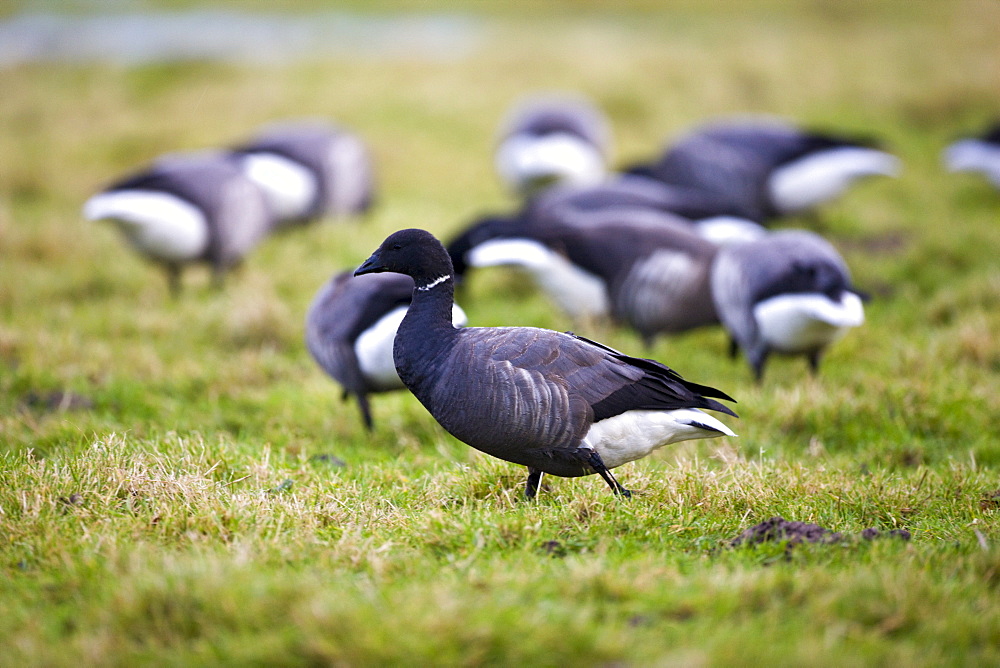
(181, 485)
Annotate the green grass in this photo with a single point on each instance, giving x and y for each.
(190, 509)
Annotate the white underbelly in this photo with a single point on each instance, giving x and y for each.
(818, 177)
(530, 162)
(290, 188)
(634, 434)
(579, 293)
(722, 230)
(158, 224)
(806, 321)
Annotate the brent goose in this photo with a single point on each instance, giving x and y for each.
(712, 219)
(977, 154)
(350, 327)
(645, 268)
(548, 139)
(310, 169)
(556, 403)
(765, 168)
(788, 292)
(185, 208)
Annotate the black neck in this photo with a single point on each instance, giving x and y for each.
(430, 310)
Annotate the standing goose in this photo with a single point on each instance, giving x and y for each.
(555, 403)
(764, 168)
(550, 139)
(977, 154)
(788, 292)
(310, 169)
(350, 328)
(187, 208)
(642, 267)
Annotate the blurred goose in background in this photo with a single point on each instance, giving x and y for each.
(350, 328)
(642, 267)
(713, 221)
(310, 169)
(762, 168)
(789, 292)
(977, 154)
(549, 139)
(555, 403)
(186, 208)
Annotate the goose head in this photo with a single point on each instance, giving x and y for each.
(416, 253)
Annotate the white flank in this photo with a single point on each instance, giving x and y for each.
(801, 322)
(373, 348)
(722, 230)
(974, 155)
(159, 224)
(577, 292)
(290, 187)
(819, 177)
(656, 283)
(634, 434)
(528, 163)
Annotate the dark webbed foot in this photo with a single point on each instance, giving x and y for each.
(534, 481)
(597, 464)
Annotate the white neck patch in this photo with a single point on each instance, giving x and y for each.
(436, 282)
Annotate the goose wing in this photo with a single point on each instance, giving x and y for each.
(527, 388)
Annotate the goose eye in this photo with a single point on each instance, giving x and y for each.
(396, 246)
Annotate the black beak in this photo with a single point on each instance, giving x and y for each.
(371, 266)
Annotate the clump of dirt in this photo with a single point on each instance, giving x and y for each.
(990, 500)
(57, 401)
(872, 533)
(329, 459)
(778, 529)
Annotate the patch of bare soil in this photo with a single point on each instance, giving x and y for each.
(990, 500)
(778, 529)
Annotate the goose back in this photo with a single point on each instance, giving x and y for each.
(767, 168)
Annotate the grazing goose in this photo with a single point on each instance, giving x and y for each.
(764, 168)
(711, 220)
(977, 154)
(788, 292)
(350, 328)
(551, 139)
(643, 267)
(185, 208)
(310, 169)
(556, 403)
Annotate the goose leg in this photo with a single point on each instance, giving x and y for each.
(814, 362)
(218, 277)
(174, 280)
(757, 360)
(597, 464)
(534, 480)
